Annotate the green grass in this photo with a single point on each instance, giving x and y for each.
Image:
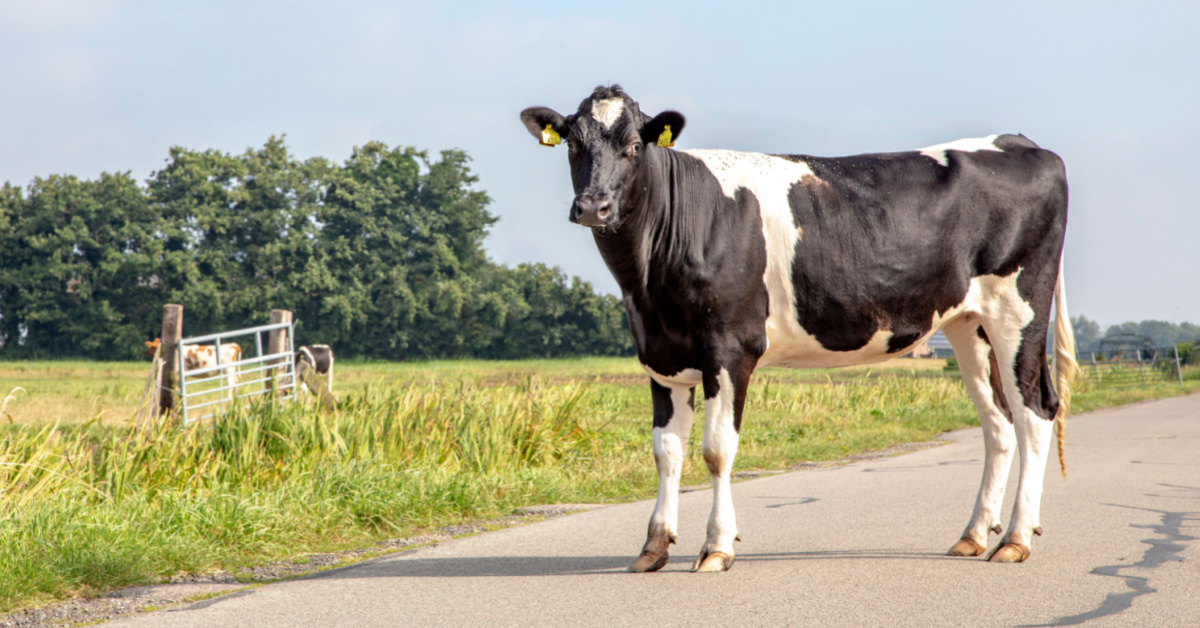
(87, 504)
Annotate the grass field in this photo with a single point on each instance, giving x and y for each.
(87, 504)
(110, 392)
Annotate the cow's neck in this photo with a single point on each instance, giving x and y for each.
(649, 205)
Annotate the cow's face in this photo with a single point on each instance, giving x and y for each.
(608, 142)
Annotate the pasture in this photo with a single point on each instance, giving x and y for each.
(87, 504)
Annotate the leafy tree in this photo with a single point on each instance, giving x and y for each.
(1087, 333)
(1163, 332)
(239, 229)
(77, 269)
(381, 256)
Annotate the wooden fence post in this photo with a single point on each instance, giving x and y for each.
(172, 332)
(277, 342)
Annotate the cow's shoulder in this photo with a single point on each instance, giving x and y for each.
(759, 173)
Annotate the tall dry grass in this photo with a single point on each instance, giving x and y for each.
(85, 508)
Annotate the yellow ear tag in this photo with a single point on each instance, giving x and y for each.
(550, 137)
(664, 139)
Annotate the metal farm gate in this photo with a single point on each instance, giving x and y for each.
(206, 391)
(1123, 363)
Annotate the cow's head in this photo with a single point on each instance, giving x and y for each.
(608, 142)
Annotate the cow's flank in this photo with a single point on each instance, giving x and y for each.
(197, 357)
(728, 261)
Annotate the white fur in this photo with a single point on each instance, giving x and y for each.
(720, 443)
(670, 450)
(607, 111)
(996, 302)
(1004, 315)
(969, 145)
(999, 437)
(204, 358)
(686, 378)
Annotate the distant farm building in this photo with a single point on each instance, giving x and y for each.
(936, 347)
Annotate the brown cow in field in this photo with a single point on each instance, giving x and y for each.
(202, 356)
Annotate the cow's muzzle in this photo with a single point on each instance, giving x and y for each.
(593, 211)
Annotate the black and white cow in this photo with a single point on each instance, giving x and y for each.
(730, 261)
(320, 359)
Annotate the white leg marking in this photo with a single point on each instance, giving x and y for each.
(1034, 436)
(1005, 314)
(999, 438)
(670, 450)
(720, 444)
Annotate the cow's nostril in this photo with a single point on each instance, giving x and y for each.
(603, 213)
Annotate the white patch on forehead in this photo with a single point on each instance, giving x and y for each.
(969, 145)
(607, 111)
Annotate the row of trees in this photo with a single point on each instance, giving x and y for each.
(1164, 334)
(381, 256)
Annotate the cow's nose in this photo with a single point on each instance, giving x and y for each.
(592, 211)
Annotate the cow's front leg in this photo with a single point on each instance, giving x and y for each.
(673, 412)
(724, 397)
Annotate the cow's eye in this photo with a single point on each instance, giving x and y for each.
(634, 150)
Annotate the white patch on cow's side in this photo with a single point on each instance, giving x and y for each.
(607, 111)
(771, 180)
(720, 445)
(790, 345)
(969, 145)
(997, 300)
(686, 378)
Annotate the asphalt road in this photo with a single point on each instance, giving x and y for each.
(857, 545)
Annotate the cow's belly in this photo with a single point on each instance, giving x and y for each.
(789, 349)
(789, 345)
(685, 378)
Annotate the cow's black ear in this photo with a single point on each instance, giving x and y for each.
(663, 129)
(545, 124)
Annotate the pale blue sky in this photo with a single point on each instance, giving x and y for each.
(94, 85)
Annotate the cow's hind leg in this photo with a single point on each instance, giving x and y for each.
(673, 412)
(977, 362)
(1017, 331)
(725, 394)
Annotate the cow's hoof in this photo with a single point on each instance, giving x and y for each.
(966, 547)
(712, 561)
(1010, 553)
(648, 561)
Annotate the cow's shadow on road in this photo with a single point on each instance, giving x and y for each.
(523, 566)
(480, 566)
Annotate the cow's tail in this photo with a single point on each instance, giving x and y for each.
(1065, 365)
